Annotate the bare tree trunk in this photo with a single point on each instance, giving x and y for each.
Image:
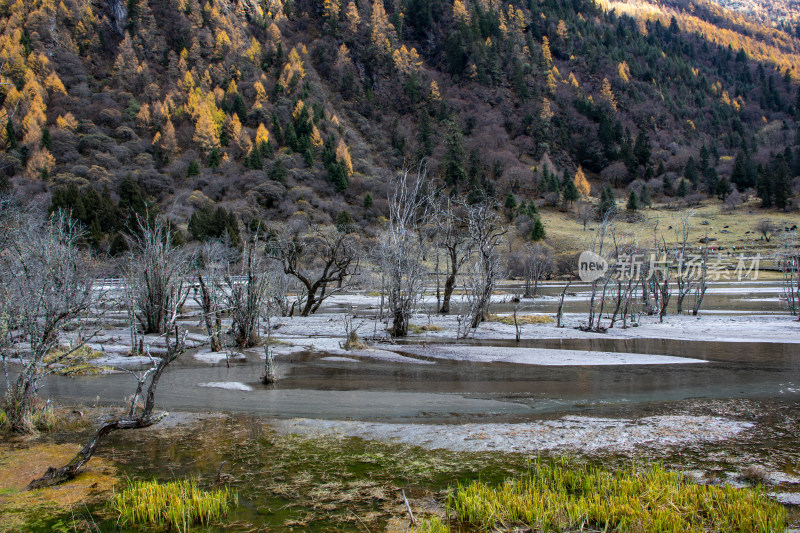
(55, 476)
(560, 313)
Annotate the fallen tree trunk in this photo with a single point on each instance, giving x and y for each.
(56, 476)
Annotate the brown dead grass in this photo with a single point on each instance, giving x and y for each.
(413, 328)
(522, 320)
(18, 466)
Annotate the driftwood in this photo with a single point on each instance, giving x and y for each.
(146, 418)
(408, 508)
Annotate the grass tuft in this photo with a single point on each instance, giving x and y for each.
(177, 504)
(522, 320)
(433, 525)
(77, 363)
(413, 328)
(563, 496)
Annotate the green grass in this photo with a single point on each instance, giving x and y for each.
(564, 496)
(433, 525)
(177, 504)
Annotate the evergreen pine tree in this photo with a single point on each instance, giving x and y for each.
(644, 197)
(571, 194)
(608, 204)
(723, 188)
(683, 188)
(453, 160)
(511, 202)
(537, 230)
(633, 202)
(667, 186)
(691, 173)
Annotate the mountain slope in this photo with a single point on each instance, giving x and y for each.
(300, 110)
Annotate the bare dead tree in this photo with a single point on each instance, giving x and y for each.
(402, 247)
(702, 280)
(766, 228)
(248, 285)
(586, 213)
(685, 278)
(212, 263)
(133, 419)
(788, 260)
(155, 274)
(486, 230)
(599, 243)
(560, 311)
(472, 289)
(452, 235)
(628, 276)
(538, 264)
(47, 287)
(321, 259)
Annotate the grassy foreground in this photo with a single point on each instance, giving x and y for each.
(178, 504)
(565, 496)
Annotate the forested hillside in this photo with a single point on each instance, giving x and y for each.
(226, 112)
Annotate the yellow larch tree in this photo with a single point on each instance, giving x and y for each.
(624, 72)
(40, 164)
(293, 70)
(143, 116)
(352, 16)
(168, 141)
(67, 122)
(205, 132)
(581, 183)
(546, 114)
(460, 13)
(253, 52)
(343, 156)
(343, 56)
(547, 56)
(54, 85)
(608, 95)
(433, 92)
(316, 138)
(262, 135)
(561, 30)
(233, 127)
(331, 8)
(274, 33)
(298, 109)
(382, 30)
(406, 61)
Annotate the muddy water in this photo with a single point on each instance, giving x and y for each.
(459, 391)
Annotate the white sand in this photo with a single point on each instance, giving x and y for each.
(570, 433)
(216, 357)
(227, 385)
(542, 356)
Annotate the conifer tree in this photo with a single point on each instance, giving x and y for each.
(633, 202)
